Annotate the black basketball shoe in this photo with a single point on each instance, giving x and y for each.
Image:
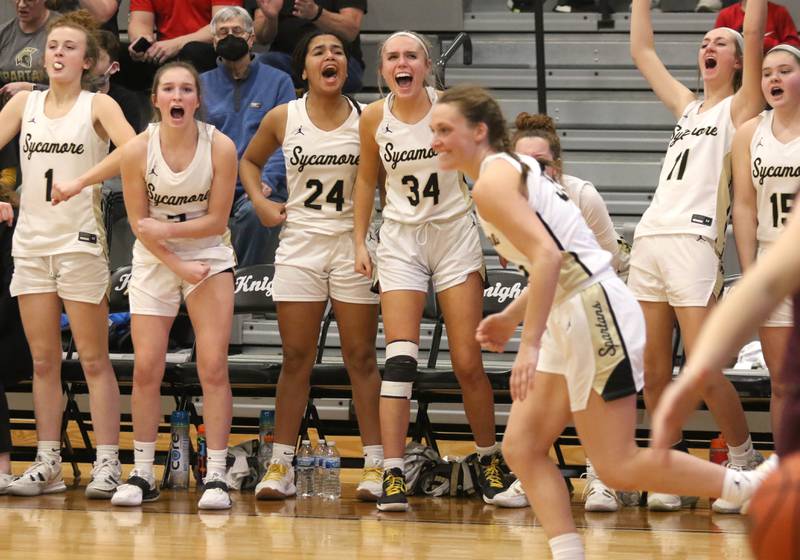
(491, 478)
(393, 497)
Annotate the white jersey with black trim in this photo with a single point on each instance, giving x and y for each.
(181, 196)
(775, 168)
(583, 261)
(321, 168)
(693, 193)
(417, 191)
(54, 150)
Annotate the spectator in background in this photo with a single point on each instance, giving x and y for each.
(176, 30)
(780, 27)
(237, 95)
(22, 41)
(107, 65)
(103, 11)
(282, 23)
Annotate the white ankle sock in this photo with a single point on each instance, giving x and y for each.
(566, 547)
(484, 451)
(393, 464)
(49, 449)
(373, 456)
(143, 455)
(284, 454)
(741, 455)
(736, 487)
(110, 452)
(217, 461)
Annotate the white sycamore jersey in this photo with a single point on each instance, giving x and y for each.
(416, 190)
(693, 193)
(775, 168)
(321, 170)
(583, 261)
(181, 196)
(58, 150)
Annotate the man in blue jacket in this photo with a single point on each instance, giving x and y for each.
(236, 96)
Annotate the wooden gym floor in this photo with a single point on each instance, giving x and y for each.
(67, 526)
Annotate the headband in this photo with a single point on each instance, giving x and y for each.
(736, 35)
(791, 49)
(410, 35)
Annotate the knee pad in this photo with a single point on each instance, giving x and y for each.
(401, 369)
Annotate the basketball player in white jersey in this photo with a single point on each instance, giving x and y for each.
(675, 267)
(314, 261)
(59, 247)
(766, 177)
(536, 136)
(574, 306)
(428, 234)
(178, 179)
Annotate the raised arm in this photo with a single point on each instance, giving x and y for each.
(346, 22)
(673, 94)
(749, 100)
(265, 141)
(498, 200)
(265, 20)
(369, 164)
(745, 215)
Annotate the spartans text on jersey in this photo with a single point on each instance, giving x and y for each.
(390, 156)
(301, 160)
(29, 147)
(764, 172)
(681, 133)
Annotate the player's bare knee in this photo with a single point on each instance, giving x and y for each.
(361, 362)
(95, 367)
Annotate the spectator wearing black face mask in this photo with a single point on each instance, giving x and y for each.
(236, 96)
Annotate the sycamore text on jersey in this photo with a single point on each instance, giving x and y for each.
(768, 171)
(406, 155)
(681, 133)
(29, 147)
(174, 200)
(301, 160)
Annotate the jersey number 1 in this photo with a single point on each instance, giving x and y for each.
(48, 193)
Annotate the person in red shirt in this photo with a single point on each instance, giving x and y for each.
(176, 30)
(780, 27)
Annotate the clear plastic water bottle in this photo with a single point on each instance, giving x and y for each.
(332, 486)
(179, 450)
(304, 471)
(266, 437)
(319, 464)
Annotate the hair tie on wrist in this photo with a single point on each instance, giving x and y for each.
(319, 14)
